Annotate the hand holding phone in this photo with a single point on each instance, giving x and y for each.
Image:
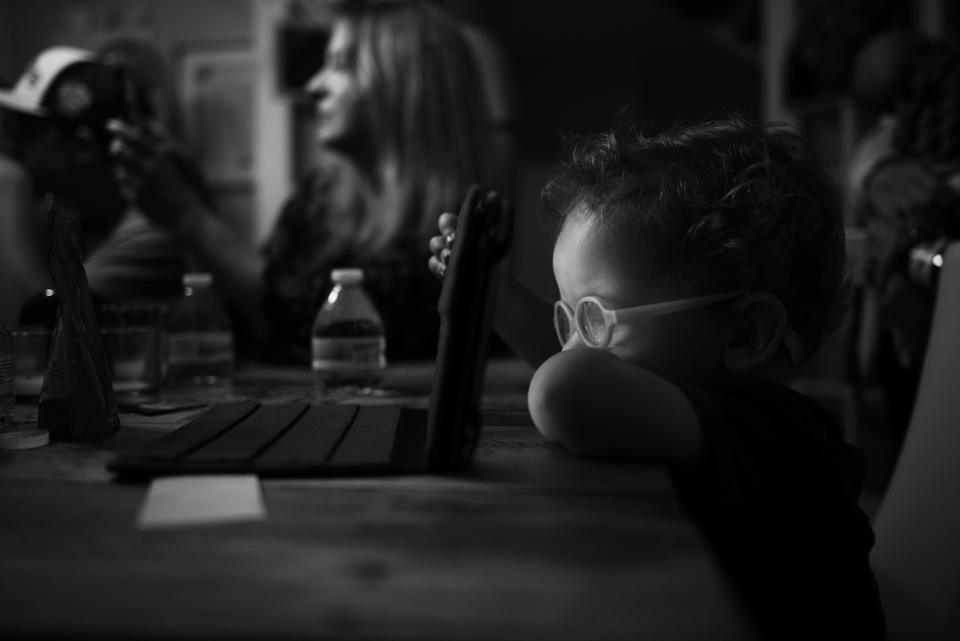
(476, 245)
(442, 246)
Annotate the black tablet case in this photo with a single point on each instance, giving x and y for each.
(299, 439)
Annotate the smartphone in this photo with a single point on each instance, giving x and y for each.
(466, 310)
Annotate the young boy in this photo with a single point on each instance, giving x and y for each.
(718, 253)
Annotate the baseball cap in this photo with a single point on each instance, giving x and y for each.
(68, 84)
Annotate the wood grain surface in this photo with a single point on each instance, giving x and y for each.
(529, 542)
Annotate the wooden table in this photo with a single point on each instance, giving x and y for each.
(529, 542)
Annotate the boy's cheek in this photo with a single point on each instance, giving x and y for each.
(573, 342)
(624, 354)
(630, 346)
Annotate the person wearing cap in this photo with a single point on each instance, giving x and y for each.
(60, 107)
(907, 198)
(21, 262)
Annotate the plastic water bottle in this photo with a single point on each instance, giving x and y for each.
(348, 343)
(8, 398)
(199, 335)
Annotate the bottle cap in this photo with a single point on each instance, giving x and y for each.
(23, 439)
(346, 276)
(197, 279)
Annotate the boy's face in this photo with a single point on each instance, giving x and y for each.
(686, 345)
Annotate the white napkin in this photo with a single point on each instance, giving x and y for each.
(179, 501)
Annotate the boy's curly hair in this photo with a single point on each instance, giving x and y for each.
(730, 205)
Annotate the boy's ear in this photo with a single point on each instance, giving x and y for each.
(759, 326)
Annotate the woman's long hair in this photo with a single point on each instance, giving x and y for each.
(427, 115)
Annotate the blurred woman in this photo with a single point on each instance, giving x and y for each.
(403, 130)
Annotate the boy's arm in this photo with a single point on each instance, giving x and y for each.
(524, 320)
(596, 404)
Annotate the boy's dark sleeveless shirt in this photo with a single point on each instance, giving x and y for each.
(297, 279)
(777, 496)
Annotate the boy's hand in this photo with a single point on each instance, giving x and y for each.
(441, 246)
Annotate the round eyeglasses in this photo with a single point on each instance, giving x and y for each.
(594, 322)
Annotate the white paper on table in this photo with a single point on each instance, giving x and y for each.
(179, 501)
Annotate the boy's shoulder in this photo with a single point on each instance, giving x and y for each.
(777, 493)
(763, 397)
(773, 422)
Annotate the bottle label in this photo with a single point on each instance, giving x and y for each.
(7, 397)
(349, 354)
(6, 371)
(199, 347)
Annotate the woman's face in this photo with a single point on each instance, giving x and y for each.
(341, 116)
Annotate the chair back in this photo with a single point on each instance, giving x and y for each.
(917, 555)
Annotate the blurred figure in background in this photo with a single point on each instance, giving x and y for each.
(404, 131)
(23, 270)
(153, 99)
(905, 183)
(58, 111)
(881, 72)
(827, 38)
(146, 69)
